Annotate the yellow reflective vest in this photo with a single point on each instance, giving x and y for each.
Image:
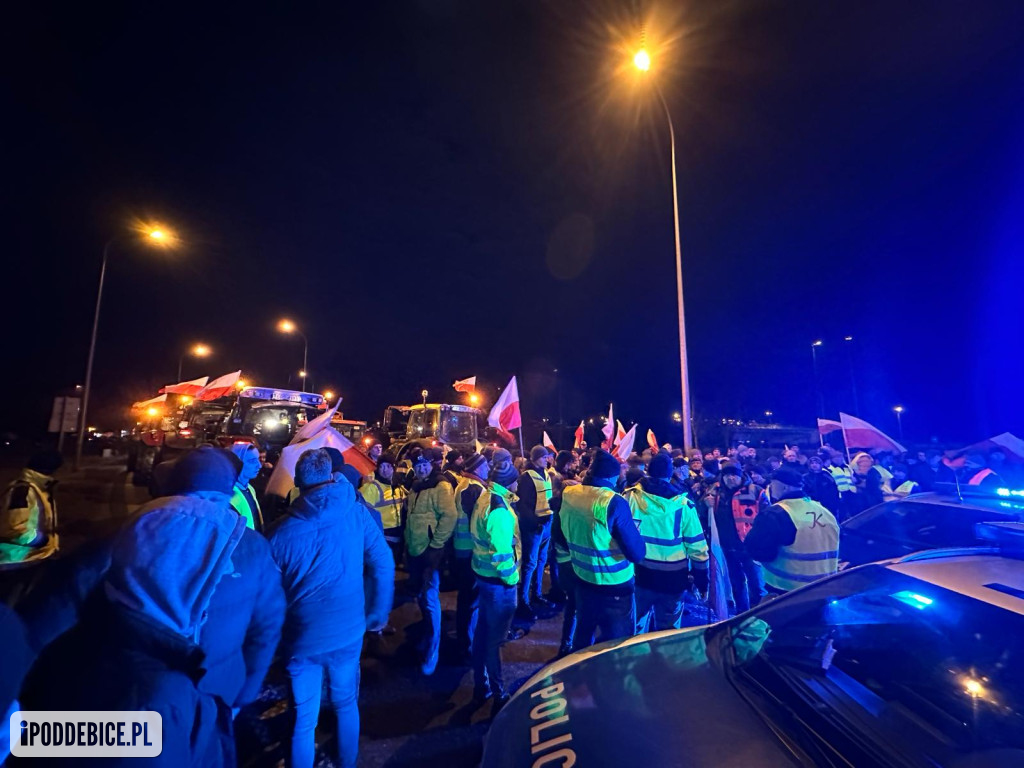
(251, 512)
(844, 479)
(596, 557)
(542, 484)
(670, 529)
(386, 499)
(463, 539)
(495, 530)
(28, 519)
(814, 552)
(431, 517)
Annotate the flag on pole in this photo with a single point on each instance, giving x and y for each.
(1009, 444)
(652, 441)
(548, 444)
(857, 433)
(219, 387)
(465, 385)
(828, 425)
(317, 425)
(620, 432)
(505, 413)
(625, 446)
(158, 400)
(190, 388)
(282, 479)
(608, 430)
(578, 436)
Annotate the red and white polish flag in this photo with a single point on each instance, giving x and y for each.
(465, 385)
(219, 387)
(505, 413)
(190, 388)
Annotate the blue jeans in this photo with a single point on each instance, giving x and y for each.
(341, 668)
(745, 577)
(535, 555)
(466, 606)
(614, 615)
(568, 583)
(656, 611)
(429, 599)
(497, 607)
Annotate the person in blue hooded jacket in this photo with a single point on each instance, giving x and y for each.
(323, 546)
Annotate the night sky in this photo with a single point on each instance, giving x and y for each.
(434, 190)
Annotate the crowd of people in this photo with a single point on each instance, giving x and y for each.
(185, 608)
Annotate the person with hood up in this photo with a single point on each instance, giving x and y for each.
(820, 485)
(796, 539)
(246, 611)
(496, 552)
(429, 526)
(141, 631)
(735, 503)
(604, 544)
(243, 496)
(324, 545)
(28, 512)
(673, 539)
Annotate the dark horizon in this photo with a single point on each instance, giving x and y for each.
(450, 190)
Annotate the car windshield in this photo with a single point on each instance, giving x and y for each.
(273, 423)
(901, 671)
(459, 427)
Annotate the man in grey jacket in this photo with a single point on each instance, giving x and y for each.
(323, 546)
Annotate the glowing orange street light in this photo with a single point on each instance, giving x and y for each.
(197, 350)
(642, 60)
(328, 395)
(474, 398)
(287, 326)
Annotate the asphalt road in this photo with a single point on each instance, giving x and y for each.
(407, 719)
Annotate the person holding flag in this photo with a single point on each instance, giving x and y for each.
(535, 527)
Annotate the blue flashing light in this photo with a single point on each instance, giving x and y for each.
(282, 395)
(913, 599)
(1008, 492)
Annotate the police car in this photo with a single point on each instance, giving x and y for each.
(945, 518)
(916, 661)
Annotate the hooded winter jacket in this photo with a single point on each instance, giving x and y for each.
(322, 546)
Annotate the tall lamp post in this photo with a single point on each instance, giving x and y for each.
(287, 326)
(898, 410)
(642, 61)
(196, 350)
(154, 236)
(817, 388)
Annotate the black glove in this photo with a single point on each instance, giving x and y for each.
(700, 579)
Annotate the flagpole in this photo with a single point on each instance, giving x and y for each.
(846, 443)
(522, 450)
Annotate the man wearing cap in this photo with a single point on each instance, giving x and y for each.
(604, 544)
(388, 500)
(796, 539)
(472, 484)
(535, 527)
(431, 522)
(734, 501)
(673, 537)
(495, 530)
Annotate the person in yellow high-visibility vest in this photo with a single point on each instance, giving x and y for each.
(388, 499)
(496, 553)
(604, 544)
(243, 497)
(796, 540)
(472, 484)
(534, 510)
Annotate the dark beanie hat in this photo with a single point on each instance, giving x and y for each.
(660, 466)
(472, 461)
(205, 468)
(505, 475)
(731, 469)
(563, 460)
(337, 459)
(605, 465)
(538, 452)
(788, 476)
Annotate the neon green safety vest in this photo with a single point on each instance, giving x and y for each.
(543, 487)
(596, 556)
(21, 527)
(844, 479)
(463, 539)
(241, 505)
(670, 529)
(812, 555)
(562, 555)
(495, 530)
(386, 499)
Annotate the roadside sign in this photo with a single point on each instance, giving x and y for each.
(64, 416)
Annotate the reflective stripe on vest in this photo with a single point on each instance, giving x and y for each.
(906, 488)
(814, 552)
(843, 478)
(979, 478)
(388, 502)
(462, 539)
(660, 523)
(542, 485)
(596, 557)
(487, 561)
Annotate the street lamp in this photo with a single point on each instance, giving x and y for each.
(898, 410)
(474, 398)
(287, 326)
(197, 350)
(423, 394)
(642, 62)
(328, 395)
(817, 389)
(154, 236)
(853, 372)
